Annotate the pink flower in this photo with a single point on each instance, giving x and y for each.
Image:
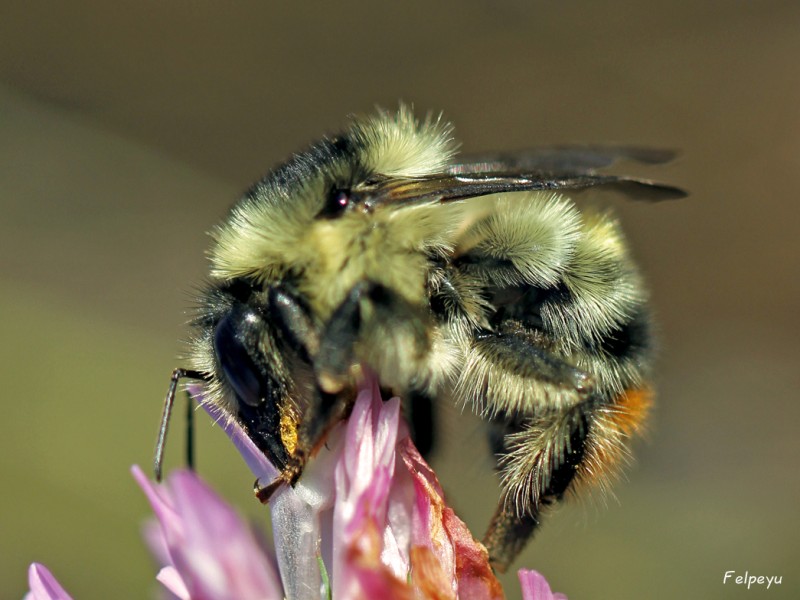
(393, 534)
(212, 553)
(535, 586)
(372, 512)
(366, 520)
(43, 585)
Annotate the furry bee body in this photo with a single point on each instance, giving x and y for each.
(475, 282)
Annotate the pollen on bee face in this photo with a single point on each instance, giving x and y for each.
(288, 431)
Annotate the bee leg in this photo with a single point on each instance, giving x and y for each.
(300, 442)
(190, 462)
(507, 535)
(267, 413)
(264, 493)
(371, 315)
(324, 413)
(540, 409)
(169, 401)
(332, 367)
(285, 444)
(294, 323)
(539, 459)
(335, 357)
(423, 422)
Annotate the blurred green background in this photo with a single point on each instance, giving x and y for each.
(128, 128)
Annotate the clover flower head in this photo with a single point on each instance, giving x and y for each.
(367, 519)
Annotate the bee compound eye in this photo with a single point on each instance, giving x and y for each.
(237, 356)
(341, 199)
(337, 202)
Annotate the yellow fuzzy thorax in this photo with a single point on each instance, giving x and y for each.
(340, 254)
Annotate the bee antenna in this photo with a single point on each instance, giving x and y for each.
(169, 401)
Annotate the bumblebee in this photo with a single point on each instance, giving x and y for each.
(472, 280)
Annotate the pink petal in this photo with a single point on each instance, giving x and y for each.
(364, 476)
(399, 515)
(43, 585)
(255, 459)
(153, 535)
(444, 555)
(302, 522)
(379, 583)
(295, 512)
(535, 587)
(211, 548)
(172, 580)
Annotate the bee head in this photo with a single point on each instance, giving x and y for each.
(317, 228)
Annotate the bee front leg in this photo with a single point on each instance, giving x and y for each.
(300, 441)
(324, 361)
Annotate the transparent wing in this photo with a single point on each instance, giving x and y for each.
(571, 159)
(447, 188)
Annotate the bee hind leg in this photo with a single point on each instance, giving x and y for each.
(538, 458)
(539, 408)
(422, 417)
